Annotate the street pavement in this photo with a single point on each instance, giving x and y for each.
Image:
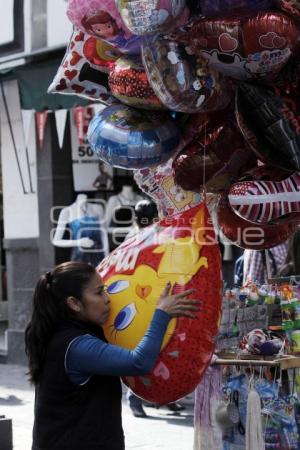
(161, 430)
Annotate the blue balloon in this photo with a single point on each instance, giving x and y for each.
(133, 139)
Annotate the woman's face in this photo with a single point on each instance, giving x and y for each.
(104, 30)
(95, 302)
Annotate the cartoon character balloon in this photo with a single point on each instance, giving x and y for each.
(80, 72)
(182, 250)
(244, 46)
(101, 19)
(270, 124)
(142, 17)
(248, 235)
(132, 139)
(159, 184)
(181, 81)
(129, 83)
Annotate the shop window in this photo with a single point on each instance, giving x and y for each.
(12, 28)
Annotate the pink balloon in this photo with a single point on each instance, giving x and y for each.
(101, 19)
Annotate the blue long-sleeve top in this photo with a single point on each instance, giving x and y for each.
(87, 355)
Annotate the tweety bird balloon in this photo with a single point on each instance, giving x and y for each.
(180, 249)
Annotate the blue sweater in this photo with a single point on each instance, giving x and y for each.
(87, 355)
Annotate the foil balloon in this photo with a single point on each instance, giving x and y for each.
(142, 17)
(132, 139)
(267, 201)
(291, 7)
(251, 236)
(181, 250)
(80, 72)
(182, 82)
(244, 46)
(128, 82)
(159, 184)
(217, 157)
(218, 7)
(101, 19)
(270, 124)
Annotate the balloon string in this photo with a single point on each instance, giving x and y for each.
(204, 160)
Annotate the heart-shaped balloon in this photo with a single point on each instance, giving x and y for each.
(251, 236)
(217, 157)
(244, 46)
(182, 250)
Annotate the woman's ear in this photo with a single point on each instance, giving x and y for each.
(74, 304)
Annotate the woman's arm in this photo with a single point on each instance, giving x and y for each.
(88, 355)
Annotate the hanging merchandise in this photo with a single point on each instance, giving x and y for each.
(251, 236)
(41, 122)
(292, 7)
(152, 16)
(219, 7)
(249, 45)
(270, 124)
(81, 69)
(180, 250)
(180, 80)
(267, 201)
(159, 184)
(217, 157)
(129, 83)
(132, 139)
(101, 19)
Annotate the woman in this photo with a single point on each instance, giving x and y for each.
(76, 373)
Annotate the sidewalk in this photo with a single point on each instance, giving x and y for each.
(162, 430)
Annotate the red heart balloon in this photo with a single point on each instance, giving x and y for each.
(247, 235)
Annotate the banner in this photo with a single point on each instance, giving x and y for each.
(89, 172)
(41, 121)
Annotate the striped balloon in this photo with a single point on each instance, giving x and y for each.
(266, 201)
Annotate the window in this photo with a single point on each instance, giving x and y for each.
(11, 27)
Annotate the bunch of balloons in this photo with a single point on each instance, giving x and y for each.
(202, 97)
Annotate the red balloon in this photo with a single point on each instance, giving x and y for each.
(219, 155)
(247, 235)
(181, 250)
(129, 83)
(248, 46)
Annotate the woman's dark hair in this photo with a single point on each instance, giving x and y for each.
(145, 213)
(292, 262)
(50, 308)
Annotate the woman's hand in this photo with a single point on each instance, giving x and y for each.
(178, 305)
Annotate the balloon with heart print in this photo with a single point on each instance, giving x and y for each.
(101, 19)
(218, 156)
(291, 7)
(265, 201)
(248, 235)
(148, 17)
(81, 71)
(270, 124)
(129, 83)
(130, 138)
(219, 7)
(181, 249)
(182, 82)
(244, 46)
(159, 184)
